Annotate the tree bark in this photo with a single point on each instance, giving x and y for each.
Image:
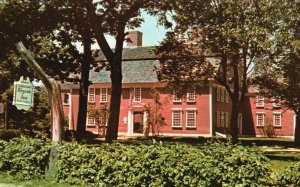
(297, 131)
(235, 96)
(84, 85)
(115, 102)
(53, 88)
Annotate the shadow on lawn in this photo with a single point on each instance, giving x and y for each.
(268, 142)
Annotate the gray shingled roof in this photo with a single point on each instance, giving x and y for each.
(133, 71)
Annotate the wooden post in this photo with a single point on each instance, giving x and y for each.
(57, 116)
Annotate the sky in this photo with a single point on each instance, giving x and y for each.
(153, 33)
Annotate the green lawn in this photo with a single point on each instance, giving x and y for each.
(8, 181)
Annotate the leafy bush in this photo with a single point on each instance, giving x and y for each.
(9, 134)
(24, 158)
(215, 164)
(291, 176)
(218, 164)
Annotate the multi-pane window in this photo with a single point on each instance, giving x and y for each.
(227, 119)
(91, 95)
(191, 118)
(176, 97)
(218, 94)
(90, 122)
(191, 95)
(260, 119)
(176, 118)
(260, 101)
(103, 95)
(222, 119)
(137, 95)
(218, 119)
(66, 99)
(103, 118)
(222, 95)
(277, 119)
(226, 97)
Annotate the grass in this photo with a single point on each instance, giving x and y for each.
(8, 181)
(281, 161)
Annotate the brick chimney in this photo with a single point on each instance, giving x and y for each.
(136, 39)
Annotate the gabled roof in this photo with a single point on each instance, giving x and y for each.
(134, 71)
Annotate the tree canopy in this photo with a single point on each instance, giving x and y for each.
(234, 32)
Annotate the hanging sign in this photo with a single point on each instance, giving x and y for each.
(23, 94)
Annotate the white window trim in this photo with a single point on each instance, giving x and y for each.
(176, 99)
(222, 95)
(258, 99)
(140, 94)
(226, 97)
(87, 122)
(69, 100)
(190, 91)
(195, 112)
(222, 119)
(105, 117)
(173, 118)
(218, 119)
(106, 95)
(280, 118)
(263, 124)
(226, 119)
(218, 94)
(89, 95)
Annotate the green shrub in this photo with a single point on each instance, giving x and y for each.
(24, 158)
(291, 176)
(9, 134)
(217, 164)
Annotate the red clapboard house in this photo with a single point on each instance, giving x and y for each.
(203, 110)
(264, 117)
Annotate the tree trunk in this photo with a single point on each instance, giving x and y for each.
(57, 115)
(56, 112)
(84, 85)
(234, 122)
(235, 101)
(115, 102)
(297, 131)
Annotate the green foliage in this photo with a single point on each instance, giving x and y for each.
(155, 119)
(9, 134)
(24, 158)
(290, 176)
(218, 164)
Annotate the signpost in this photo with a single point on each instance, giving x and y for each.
(23, 94)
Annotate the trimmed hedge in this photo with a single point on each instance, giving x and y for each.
(218, 164)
